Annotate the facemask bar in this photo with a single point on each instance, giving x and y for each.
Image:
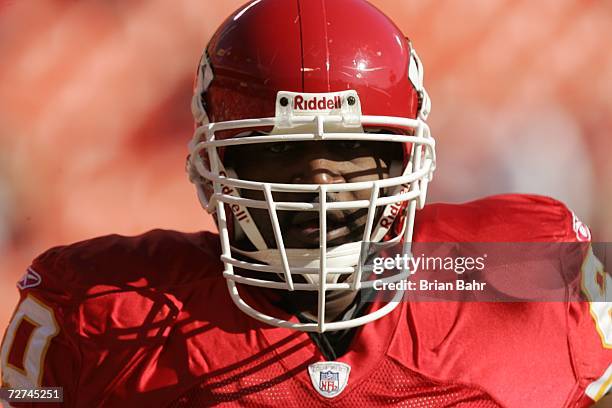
(417, 174)
(321, 325)
(237, 202)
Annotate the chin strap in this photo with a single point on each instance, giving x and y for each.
(243, 223)
(341, 256)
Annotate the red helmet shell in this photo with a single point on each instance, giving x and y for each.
(308, 46)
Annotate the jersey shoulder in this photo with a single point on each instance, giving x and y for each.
(155, 259)
(579, 332)
(501, 218)
(89, 310)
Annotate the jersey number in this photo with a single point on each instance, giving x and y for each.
(26, 342)
(597, 286)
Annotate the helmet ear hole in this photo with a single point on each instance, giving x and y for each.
(203, 101)
(420, 97)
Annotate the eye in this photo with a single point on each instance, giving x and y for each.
(277, 148)
(350, 144)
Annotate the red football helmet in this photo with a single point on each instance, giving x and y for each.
(309, 71)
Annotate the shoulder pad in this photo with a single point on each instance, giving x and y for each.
(155, 259)
(501, 218)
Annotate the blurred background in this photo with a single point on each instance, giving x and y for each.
(95, 117)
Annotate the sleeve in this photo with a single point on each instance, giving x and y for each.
(89, 320)
(591, 326)
(39, 349)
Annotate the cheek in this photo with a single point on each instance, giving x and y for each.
(365, 169)
(266, 171)
(246, 171)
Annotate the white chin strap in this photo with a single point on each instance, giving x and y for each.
(340, 256)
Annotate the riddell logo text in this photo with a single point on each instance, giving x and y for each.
(317, 103)
(389, 218)
(238, 211)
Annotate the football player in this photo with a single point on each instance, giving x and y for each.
(311, 140)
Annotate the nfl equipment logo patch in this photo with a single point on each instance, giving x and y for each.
(329, 381)
(329, 378)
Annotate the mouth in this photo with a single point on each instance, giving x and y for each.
(304, 230)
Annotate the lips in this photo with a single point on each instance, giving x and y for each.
(304, 228)
(308, 237)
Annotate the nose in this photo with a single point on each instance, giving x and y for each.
(317, 170)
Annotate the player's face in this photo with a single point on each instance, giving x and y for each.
(320, 162)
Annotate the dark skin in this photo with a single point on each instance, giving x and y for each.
(314, 162)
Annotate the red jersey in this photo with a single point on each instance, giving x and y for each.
(147, 321)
